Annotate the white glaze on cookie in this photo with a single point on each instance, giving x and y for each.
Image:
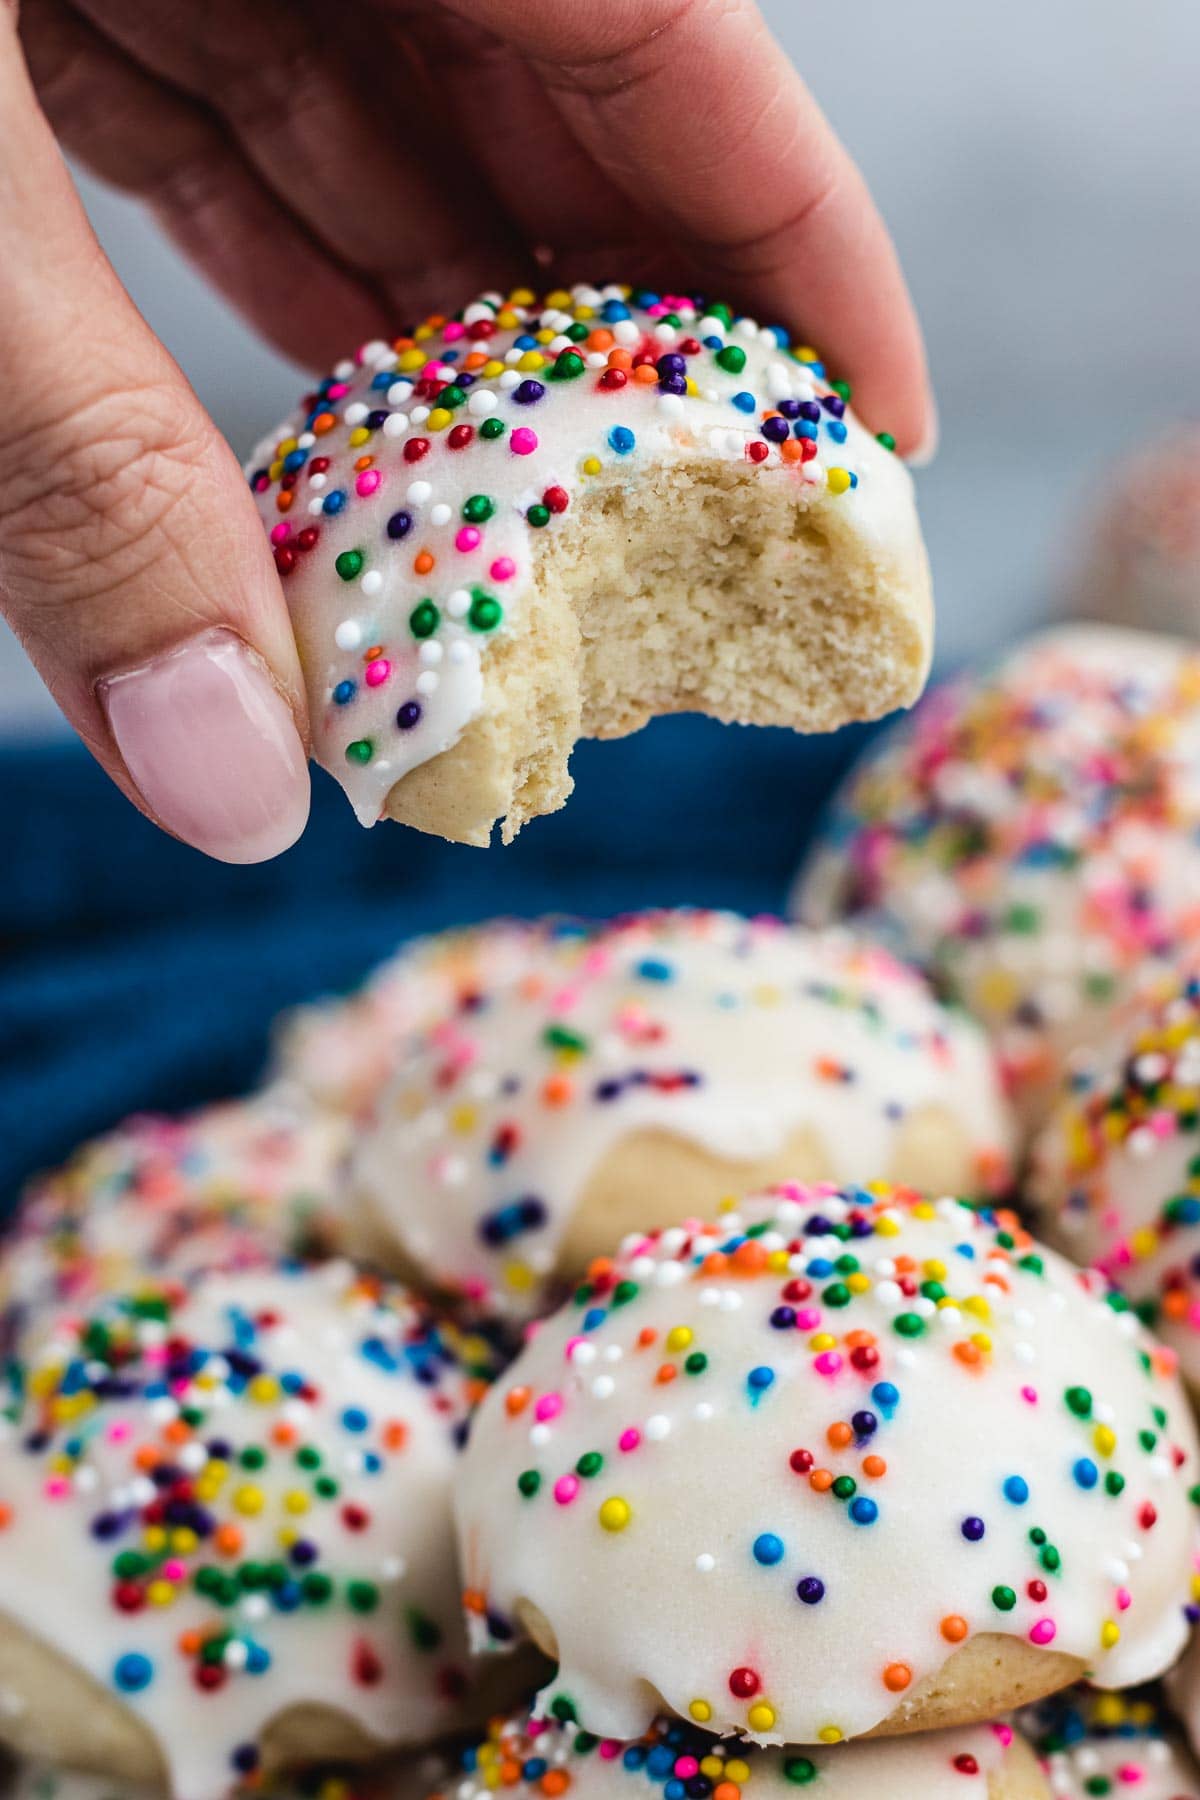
(1101, 1746)
(301, 1429)
(778, 1472)
(1032, 836)
(405, 533)
(552, 1043)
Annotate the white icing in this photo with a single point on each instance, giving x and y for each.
(982, 1402)
(548, 444)
(547, 1046)
(324, 1343)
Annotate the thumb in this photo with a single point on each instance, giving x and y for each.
(133, 565)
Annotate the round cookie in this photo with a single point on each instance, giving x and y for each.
(1139, 562)
(410, 1778)
(572, 1083)
(1115, 1172)
(844, 1463)
(1032, 837)
(531, 1759)
(1094, 1746)
(537, 520)
(225, 1534)
(225, 1187)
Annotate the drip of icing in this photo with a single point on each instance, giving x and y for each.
(738, 1444)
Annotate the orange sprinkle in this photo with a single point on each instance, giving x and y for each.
(423, 562)
(473, 1601)
(146, 1457)
(1175, 1303)
(190, 1642)
(283, 500)
(666, 1372)
(376, 650)
(968, 1353)
(644, 374)
(6, 1516)
(749, 1258)
(896, 1677)
(874, 1466)
(646, 1336)
(620, 359)
(475, 361)
(953, 1628)
(510, 1771)
(177, 1431)
(558, 1090)
(395, 1434)
(600, 339)
(838, 1436)
(324, 421)
(821, 1479)
(599, 1268)
(228, 1539)
(790, 450)
(516, 1400)
(860, 1340)
(283, 1434)
(715, 1263)
(727, 1790)
(555, 1781)
(363, 462)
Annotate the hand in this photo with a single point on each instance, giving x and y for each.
(337, 170)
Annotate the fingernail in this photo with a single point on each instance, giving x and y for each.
(212, 747)
(926, 450)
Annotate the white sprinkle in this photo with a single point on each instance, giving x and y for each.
(441, 514)
(458, 604)
(539, 1436)
(509, 380)
(427, 683)
(236, 1654)
(398, 393)
(372, 582)
(355, 413)
(318, 481)
(395, 425)
(702, 1411)
(705, 1563)
(306, 440)
(658, 1426)
(314, 506)
(583, 1354)
(348, 635)
(461, 652)
(418, 492)
(431, 653)
(669, 1275)
(419, 415)
(481, 402)
(603, 1387)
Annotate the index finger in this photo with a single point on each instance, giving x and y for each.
(697, 114)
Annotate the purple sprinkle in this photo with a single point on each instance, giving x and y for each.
(409, 715)
(810, 1590)
(399, 525)
(528, 393)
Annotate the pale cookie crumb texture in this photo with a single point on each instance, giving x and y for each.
(846, 1461)
(540, 520)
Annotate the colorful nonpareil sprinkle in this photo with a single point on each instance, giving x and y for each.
(406, 498)
(544, 1759)
(547, 1049)
(226, 1503)
(1110, 1747)
(836, 1405)
(1032, 837)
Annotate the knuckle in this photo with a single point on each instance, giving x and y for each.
(92, 501)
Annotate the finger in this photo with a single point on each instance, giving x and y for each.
(132, 562)
(753, 177)
(151, 141)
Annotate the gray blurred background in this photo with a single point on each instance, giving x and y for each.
(1039, 165)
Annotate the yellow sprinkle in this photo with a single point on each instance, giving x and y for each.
(737, 1770)
(493, 368)
(982, 1341)
(830, 1734)
(154, 1538)
(712, 1766)
(1143, 1242)
(615, 1514)
(519, 1277)
(263, 1389)
(544, 336)
(923, 1210)
(701, 1711)
(822, 1340)
(803, 353)
(358, 436)
(886, 1227)
(583, 313)
(285, 446)
(839, 480)
(492, 1779)
(1104, 1440)
(248, 1500)
(777, 1262)
(679, 1337)
(761, 1717)
(160, 1593)
(410, 360)
(286, 1536)
(296, 1501)
(1109, 1633)
(858, 1283)
(977, 1306)
(934, 1269)
(439, 418)
(422, 332)
(692, 389)
(463, 1118)
(183, 1540)
(522, 296)
(274, 470)
(554, 301)
(592, 465)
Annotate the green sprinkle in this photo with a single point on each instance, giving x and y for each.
(348, 564)
(1079, 1400)
(537, 516)
(800, 1770)
(567, 365)
(360, 751)
(732, 359)
(845, 1487)
(424, 619)
(696, 1363)
(909, 1325)
(528, 1482)
(492, 427)
(563, 1709)
(1003, 1599)
(590, 1463)
(836, 1294)
(886, 439)
(426, 1633)
(362, 1595)
(478, 508)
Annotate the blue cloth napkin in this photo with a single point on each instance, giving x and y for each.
(136, 974)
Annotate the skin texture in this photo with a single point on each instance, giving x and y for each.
(266, 140)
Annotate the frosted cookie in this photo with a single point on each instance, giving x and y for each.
(225, 1535)
(573, 1083)
(225, 1187)
(1032, 837)
(1138, 562)
(840, 1465)
(543, 1759)
(1115, 1172)
(1098, 1745)
(410, 1778)
(536, 520)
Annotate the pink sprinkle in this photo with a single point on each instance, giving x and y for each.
(337, 389)
(467, 537)
(566, 1488)
(1030, 1394)
(376, 673)
(686, 1767)
(174, 1570)
(453, 330)
(118, 1433)
(1003, 1733)
(367, 482)
(1043, 1632)
(281, 531)
(808, 1318)
(828, 1363)
(57, 1488)
(1130, 1774)
(1124, 1599)
(548, 1407)
(503, 569)
(523, 441)
(572, 1346)
(629, 1439)
(610, 1747)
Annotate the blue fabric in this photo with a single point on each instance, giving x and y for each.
(135, 974)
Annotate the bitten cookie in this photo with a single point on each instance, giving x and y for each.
(1115, 1173)
(226, 1187)
(1138, 561)
(1094, 1746)
(533, 521)
(1032, 837)
(572, 1083)
(548, 1757)
(225, 1535)
(843, 1464)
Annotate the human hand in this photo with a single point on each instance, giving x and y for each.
(334, 171)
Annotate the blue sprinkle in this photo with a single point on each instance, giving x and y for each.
(1085, 1472)
(803, 429)
(614, 311)
(768, 1549)
(863, 1511)
(820, 1266)
(837, 431)
(258, 1660)
(714, 343)
(333, 503)
(761, 1378)
(660, 1762)
(886, 1397)
(295, 459)
(534, 1769)
(1016, 1489)
(652, 968)
(744, 401)
(344, 692)
(594, 1316)
(354, 1418)
(133, 1672)
(383, 380)
(621, 439)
